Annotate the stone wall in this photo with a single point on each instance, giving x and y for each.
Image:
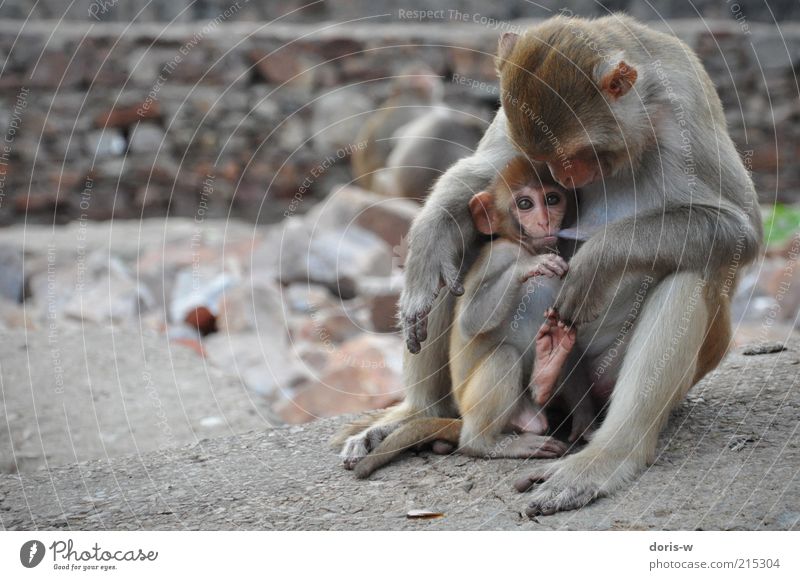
(385, 10)
(123, 120)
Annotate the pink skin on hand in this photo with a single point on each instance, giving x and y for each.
(550, 266)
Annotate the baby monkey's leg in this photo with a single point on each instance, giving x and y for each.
(489, 400)
(554, 342)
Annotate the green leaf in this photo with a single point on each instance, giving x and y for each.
(781, 223)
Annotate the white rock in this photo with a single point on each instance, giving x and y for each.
(196, 287)
(105, 143)
(263, 360)
(251, 307)
(332, 257)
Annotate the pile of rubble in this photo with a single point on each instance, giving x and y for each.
(303, 312)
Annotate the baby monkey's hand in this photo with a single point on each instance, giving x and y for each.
(548, 265)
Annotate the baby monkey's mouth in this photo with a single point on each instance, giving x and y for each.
(541, 245)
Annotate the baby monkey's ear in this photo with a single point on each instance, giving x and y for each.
(484, 213)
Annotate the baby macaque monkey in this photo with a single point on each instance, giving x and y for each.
(507, 346)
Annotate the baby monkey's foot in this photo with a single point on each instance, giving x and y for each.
(554, 342)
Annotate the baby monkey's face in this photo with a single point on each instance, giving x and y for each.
(538, 211)
(523, 205)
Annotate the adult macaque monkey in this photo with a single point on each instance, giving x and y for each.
(416, 91)
(503, 349)
(413, 137)
(630, 116)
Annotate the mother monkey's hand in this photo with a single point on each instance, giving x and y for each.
(443, 234)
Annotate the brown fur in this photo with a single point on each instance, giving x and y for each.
(549, 63)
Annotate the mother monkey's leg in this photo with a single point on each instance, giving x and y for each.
(426, 379)
(441, 242)
(682, 333)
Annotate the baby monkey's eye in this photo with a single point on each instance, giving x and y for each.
(524, 203)
(552, 199)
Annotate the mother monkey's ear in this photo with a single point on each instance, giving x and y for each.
(504, 49)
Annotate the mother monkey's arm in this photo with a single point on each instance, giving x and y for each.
(443, 234)
(442, 244)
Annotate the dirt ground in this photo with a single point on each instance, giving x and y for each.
(729, 459)
(111, 393)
